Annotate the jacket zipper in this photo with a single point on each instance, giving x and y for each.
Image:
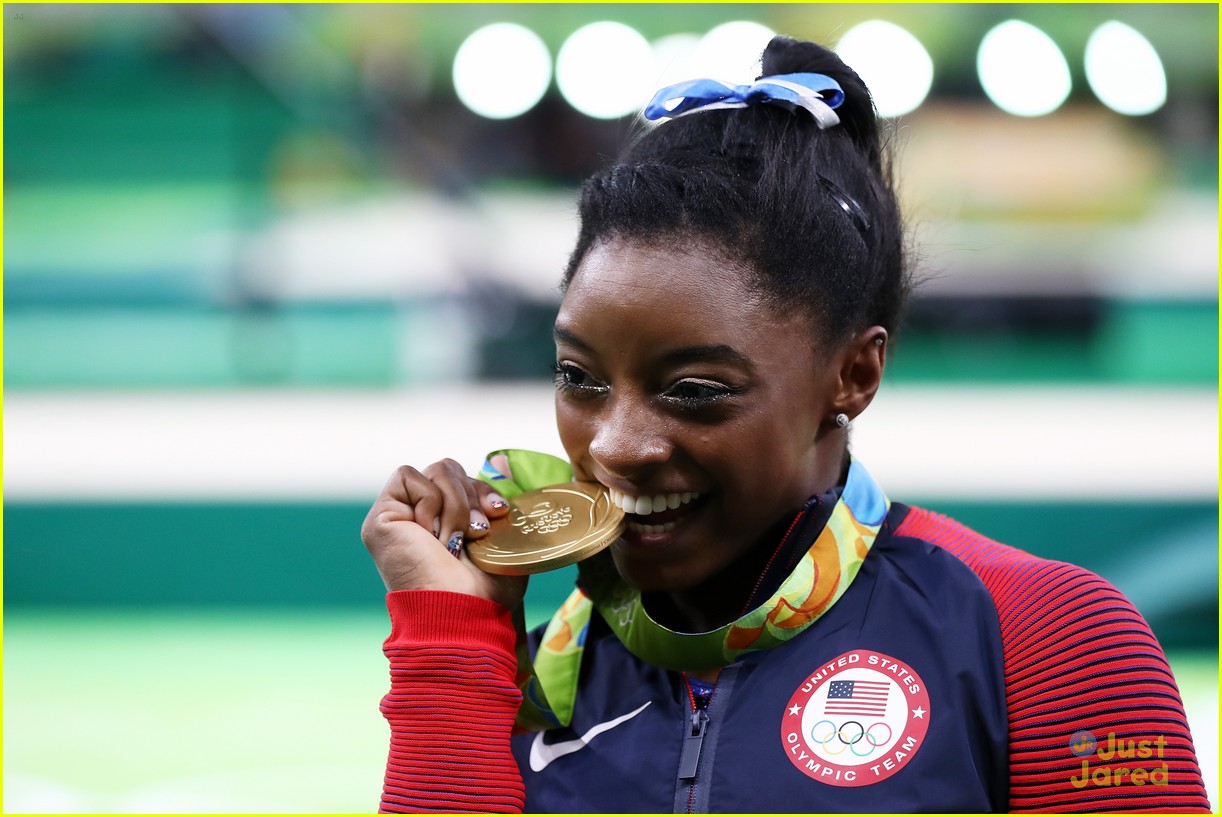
(689, 759)
(693, 740)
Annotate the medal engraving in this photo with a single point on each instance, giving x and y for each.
(547, 529)
(542, 518)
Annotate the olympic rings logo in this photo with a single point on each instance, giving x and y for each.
(850, 742)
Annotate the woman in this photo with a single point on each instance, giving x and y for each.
(770, 633)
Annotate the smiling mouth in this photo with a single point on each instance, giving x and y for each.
(657, 513)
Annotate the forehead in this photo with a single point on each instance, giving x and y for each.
(629, 299)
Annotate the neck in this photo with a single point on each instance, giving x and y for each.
(723, 597)
(729, 594)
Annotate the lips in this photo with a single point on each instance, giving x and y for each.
(656, 513)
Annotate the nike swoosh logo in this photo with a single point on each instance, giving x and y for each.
(542, 754)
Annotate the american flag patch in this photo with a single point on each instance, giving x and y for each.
(857, 698)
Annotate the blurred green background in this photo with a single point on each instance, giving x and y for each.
(257, 256)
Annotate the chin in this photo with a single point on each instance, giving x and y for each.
(652, 576)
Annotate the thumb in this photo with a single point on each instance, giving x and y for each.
(501, 463)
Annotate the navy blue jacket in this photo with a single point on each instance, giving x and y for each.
(893, 702)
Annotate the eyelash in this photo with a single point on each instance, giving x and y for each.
(564, 376)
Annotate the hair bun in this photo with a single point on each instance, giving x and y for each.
(785, 55)
(808, 214)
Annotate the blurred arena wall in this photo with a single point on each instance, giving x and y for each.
(257, 256)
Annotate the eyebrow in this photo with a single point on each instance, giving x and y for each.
(712, 353)
(563, 335)
(707, 353)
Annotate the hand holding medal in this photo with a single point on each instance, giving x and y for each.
(416, 530)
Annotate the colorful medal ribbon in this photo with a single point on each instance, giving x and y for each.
(821, 577)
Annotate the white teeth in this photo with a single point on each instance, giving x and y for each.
(645, 505)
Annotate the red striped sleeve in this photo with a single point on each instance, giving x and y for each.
(1078, 658)
(451, 705)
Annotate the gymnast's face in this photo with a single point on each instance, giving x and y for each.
(704, 410)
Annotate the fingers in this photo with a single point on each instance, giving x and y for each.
(413, 496)
(443, 500)
(486, 502)
(397, 534)
(500, 462)
(454, 516)
(489, 501)
(418, 514)
(477, 521)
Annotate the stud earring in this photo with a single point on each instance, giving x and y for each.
(842, 420)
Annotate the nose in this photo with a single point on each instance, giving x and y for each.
(629, 439)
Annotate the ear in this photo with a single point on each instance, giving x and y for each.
(861, 372)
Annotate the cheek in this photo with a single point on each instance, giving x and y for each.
(778, 451)
(575, 434)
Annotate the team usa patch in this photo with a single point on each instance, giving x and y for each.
(858, 719)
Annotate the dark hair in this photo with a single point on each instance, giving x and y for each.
(811, 213)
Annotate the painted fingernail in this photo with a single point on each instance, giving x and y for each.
(455, 544)
(437, 527)
(478, 522)
(498, 503)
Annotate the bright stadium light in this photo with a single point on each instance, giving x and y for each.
(1021, 69)
(731, 51)
(605, 70)
(675, 58)
(502, 70)
(892, 62)
(1124, 70)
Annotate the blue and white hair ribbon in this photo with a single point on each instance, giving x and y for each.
(815, 93)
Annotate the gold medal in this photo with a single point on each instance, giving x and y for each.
(549, 528)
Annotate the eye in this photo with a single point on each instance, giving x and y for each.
(690, 392)
(571, 378)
